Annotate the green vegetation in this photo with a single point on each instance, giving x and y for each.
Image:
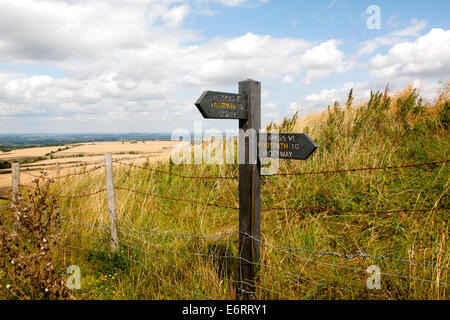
(160, 259)
(9, 147)
(5, 165)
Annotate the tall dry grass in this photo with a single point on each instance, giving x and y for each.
(161, 258)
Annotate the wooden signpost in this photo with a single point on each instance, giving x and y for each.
(222, 105)
(246, 106)
(295, 146)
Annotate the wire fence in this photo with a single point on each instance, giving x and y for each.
(140, 246)
(406, 166)
(218, 258)
(174, 174)
(43, 176)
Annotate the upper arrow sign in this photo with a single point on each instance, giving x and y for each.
(222, 105)
(297, 146)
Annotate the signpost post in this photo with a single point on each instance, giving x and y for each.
(246, 107)
(249, 189)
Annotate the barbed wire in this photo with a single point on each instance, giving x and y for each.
(196, 254)
(68, 196)
(309, 280)
(358, 254)
(80, 195)
(177, 199)
(65, 176)
(172, 266)
(203, 275)
(148, 243)
(270, 266)
(128, 243)
(52, 166)
(175, 174)
(216, 237)
(192, 293)
(358, 169)
(90, 225)
(76, 163)
(176, 234)
(341, 266)
(352, 210)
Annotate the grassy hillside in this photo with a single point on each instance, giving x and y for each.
(318, 239)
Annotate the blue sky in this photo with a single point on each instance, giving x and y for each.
(71, 66)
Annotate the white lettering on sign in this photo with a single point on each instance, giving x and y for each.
(285, 154)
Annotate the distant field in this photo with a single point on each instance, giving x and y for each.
(88, 153)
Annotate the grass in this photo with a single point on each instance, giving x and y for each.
(159, 257)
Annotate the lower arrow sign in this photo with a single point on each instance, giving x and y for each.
(297, 146)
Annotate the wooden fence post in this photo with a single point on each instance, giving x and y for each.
(111, 203)
(57, 169)
(249, 189)
(15, 173)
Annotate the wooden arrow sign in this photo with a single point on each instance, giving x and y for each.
(297, 146)
(222, 105)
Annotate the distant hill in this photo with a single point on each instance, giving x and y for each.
(18, 141)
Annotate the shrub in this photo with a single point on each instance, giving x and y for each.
(444, 115)
(28, 237)
(5, 165)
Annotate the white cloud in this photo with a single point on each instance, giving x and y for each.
(239, 3)
(322, 60)
(175, 16)
(248, 56)
(271, 106)
(413, 30)
(120, 59)
(370, 46)
(294, 106)
(428, 56)
(132, 61)
(329, 96)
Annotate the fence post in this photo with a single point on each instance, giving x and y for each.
(15, 173)
(57, 169)
(249, 188)
(111, 202)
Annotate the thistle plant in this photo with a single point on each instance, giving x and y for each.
(29, 232)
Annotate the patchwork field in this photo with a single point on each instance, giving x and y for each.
(83, 154)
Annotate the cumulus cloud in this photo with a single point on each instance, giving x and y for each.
(322, 60)
(222, 61)
(329, 96)
(370, 46)
(428, 56)
(121, 62)
(36, 31)
(176, 15)
(123, 59)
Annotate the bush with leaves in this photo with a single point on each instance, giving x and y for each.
(28, 235)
